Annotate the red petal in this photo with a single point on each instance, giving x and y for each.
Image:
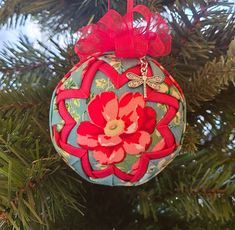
(109, 141)
(109, 155)
(130, 110)
(103, 108)
(136, 143)
(149, 120)
(129, 102)
(87, 135)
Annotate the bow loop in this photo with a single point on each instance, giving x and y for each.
(127, 38)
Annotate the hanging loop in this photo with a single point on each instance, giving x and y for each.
(117, 33)
(130, 5)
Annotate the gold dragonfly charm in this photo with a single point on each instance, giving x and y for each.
(136, 80)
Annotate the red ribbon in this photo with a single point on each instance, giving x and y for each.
(128, 38)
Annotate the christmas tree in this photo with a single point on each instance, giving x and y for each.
(39, 191)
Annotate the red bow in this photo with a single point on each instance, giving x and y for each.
(128, 38)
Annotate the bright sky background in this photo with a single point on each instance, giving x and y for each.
(31, 29)
(33, 32)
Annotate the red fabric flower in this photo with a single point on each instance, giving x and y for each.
(117, 127)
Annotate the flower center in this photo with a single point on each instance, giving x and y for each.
(114, 128)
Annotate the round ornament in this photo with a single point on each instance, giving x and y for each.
(118, 117)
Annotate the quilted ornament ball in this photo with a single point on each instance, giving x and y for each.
(118, 117)
(108, 132)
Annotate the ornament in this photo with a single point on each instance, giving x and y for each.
(118, 117)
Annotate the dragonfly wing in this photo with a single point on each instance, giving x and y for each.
(135, 83)
(156, 79)
(133, 76)
(153, 85)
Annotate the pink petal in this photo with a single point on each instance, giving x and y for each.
(159, 146)
(103, 108)
(136, 143)
(104, 157)
(109, 141)
(117, 156)
(110, 109)
(87, 134)
(131, 110)
(100, 156)
(129, 102)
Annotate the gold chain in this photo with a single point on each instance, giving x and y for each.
(144, 72)
(144, 66)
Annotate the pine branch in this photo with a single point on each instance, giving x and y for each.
(37, 191)
(209, 81)
(25, 64)
(215, 122)
(191, 140)
(62, 15)
(202, 31)
(205, 194)
(36, 187)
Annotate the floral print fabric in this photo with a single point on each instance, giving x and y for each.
(110, 134)
(117, 127)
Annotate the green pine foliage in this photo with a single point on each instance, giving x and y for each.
(38, 191)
